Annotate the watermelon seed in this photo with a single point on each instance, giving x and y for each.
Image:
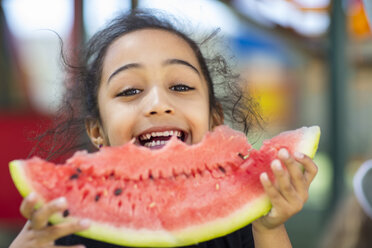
(118, 191)
(97, 197)
(112, 174)
(222, 169)
(152, 204)
(74, 176)
(217, 186)
(66, 213)
(241, 155)
(78, 170)
(150, 175)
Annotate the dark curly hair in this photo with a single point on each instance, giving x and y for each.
(80, 101)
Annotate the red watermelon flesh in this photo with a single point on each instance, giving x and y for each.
(174, 196)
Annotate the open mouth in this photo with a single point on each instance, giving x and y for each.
(158, 139)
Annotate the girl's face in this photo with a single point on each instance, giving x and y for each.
(151, 88)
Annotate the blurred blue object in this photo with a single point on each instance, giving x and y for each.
(368, 8)
(363, 186)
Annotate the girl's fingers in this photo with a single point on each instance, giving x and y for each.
(38, 232)
(275, 197)
(28, 205)
(310, 167)
(283, 181)
(294, 170)
(39, 218)
(54, 232)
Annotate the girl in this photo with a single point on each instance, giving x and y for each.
(139, 75)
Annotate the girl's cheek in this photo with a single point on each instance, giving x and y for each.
(117, 128)
(201, 128)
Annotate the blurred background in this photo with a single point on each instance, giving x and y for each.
(308, 62)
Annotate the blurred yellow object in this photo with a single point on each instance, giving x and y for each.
(277, 101)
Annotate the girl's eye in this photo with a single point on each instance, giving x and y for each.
(181, 87)
(129, 92)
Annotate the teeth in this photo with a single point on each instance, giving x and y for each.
(156, 143)
(147, 136)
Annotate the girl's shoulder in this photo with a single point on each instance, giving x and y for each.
(242, 238)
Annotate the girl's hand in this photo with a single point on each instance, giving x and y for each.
(290, 191)
(37, 233)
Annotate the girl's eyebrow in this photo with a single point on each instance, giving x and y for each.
(124, 67)
(181, 62)
(167, 62)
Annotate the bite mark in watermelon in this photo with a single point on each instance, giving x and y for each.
(175, 196)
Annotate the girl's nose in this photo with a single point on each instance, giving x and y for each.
(158, 103)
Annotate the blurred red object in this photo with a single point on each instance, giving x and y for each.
(16, 132)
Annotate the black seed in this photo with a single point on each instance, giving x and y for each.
(66, 213)
(118, 191)
(222, 169)
(74, 176)
(151, 177)
(78, 170)
(97, 197)
(241, 155)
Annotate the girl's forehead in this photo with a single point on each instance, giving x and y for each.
(149, 48)
(146, 44)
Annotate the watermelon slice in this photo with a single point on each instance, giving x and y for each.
(174, 196)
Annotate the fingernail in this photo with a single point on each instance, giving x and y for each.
(264, 176)
(298, 155)
(283, 153)
(276, 165)
(85, 223)
(31, 196)
(61, 201)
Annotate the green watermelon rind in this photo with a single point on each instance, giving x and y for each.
(310, 141)
(17, 175)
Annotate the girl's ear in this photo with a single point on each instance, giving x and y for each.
(95, 132)
(216, 116)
